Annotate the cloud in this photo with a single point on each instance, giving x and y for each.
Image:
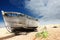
(50, 9)
(2, 24)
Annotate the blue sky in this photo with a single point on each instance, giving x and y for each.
(48, 11)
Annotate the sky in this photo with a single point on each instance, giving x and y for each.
(47, 11)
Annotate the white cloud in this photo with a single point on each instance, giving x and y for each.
(50, 9)
(2, 24)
